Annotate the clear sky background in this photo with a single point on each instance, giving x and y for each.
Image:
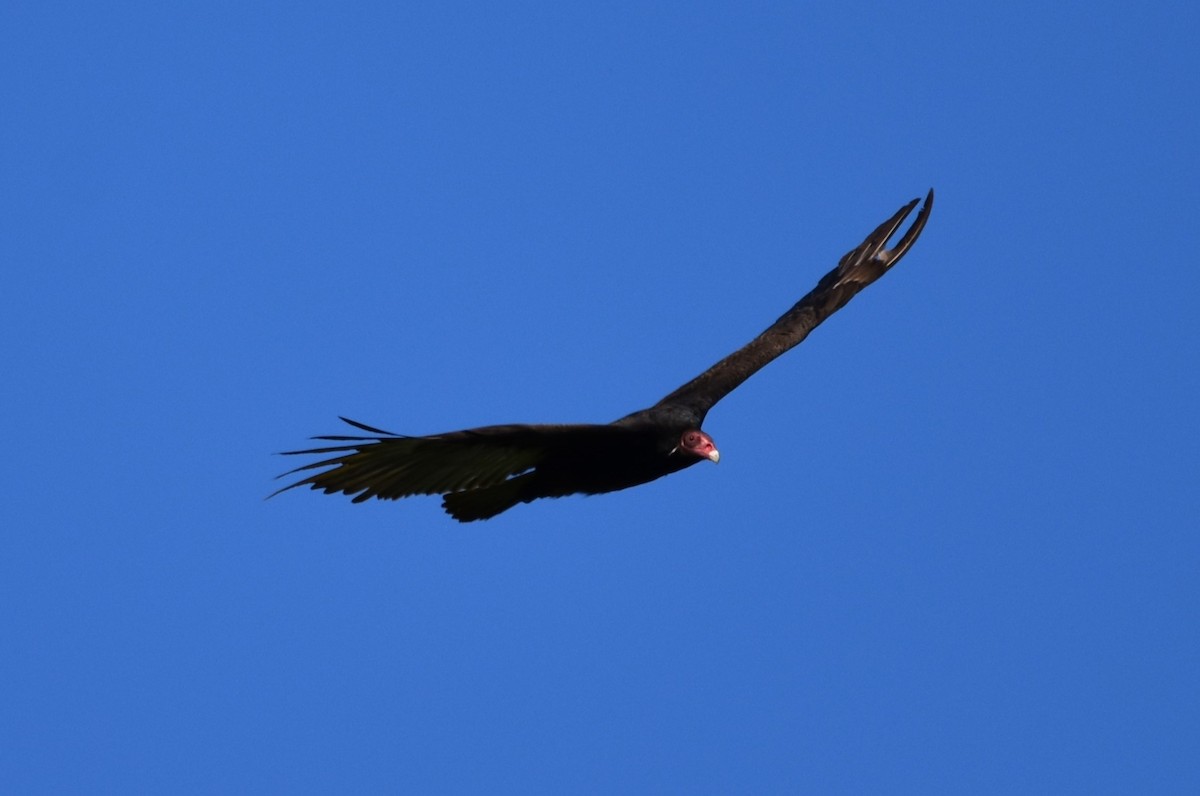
(953, 542)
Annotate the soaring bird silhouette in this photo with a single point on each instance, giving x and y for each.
(481, 472)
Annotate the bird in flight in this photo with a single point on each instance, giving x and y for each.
(481, 472)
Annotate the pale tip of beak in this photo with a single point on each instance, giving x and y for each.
(715, 455)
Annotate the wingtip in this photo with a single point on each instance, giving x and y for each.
(914, 231)
(925, 205)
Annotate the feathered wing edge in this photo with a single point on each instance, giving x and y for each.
(855, 270)
(460, 463)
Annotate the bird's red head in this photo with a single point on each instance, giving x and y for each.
(697, 443)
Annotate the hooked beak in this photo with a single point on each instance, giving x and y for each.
(714, 455)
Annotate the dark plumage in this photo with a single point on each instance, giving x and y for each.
(483, 471)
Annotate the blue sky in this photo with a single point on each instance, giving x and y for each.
(952, 544)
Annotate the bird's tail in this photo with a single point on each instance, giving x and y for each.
(481, 504)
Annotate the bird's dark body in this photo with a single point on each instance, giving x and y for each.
(484, 471)
(622, 457)
(617, 457)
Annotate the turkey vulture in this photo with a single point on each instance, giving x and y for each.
(481, 472)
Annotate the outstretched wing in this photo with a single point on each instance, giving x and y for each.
(390, 466)
(856, 270)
